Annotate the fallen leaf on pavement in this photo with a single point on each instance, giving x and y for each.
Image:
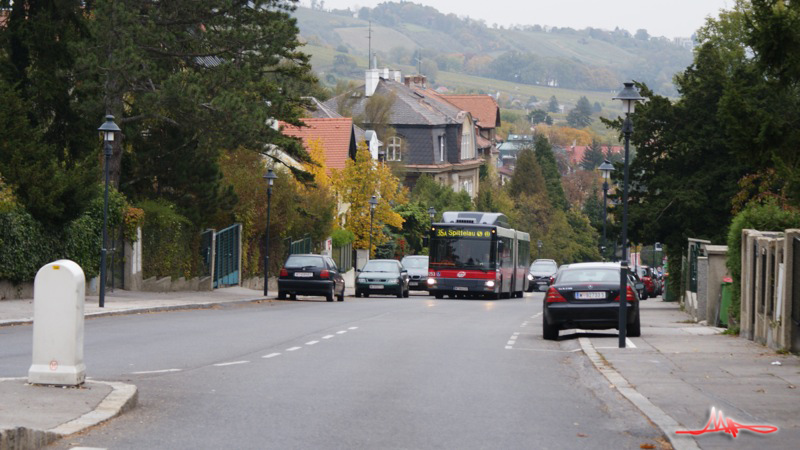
(647, 446)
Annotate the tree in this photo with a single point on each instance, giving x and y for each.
(581, 115)
(356, 184)
(552, 177)
(553, 106)
(539, 116)
(593, 156)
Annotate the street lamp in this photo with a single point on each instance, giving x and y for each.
(373, 202)
(432, 213)
(108, 130)
(629, 96)
(270, 177)
(606, 168)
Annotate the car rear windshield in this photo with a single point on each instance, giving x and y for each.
(588, 276)
(380, 266)
(544, 266)
(415, 263)
(297, 262)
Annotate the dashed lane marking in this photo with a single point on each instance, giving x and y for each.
(312, 342)
(271, 355)
(341, 332)
(148, 372)
(232, 363)
(293, 349)
(353, 328)
(328, 336)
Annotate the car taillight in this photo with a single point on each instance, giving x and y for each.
(324, 274)
(553, 296)
(631, 297)
(284, 273)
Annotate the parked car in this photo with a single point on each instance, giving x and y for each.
(646, 275)
(309, 274)
(382, 276)
(586, 295)
(417, 266)
(540, 274)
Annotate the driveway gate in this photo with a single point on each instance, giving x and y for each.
(795, 329)
(227, 256)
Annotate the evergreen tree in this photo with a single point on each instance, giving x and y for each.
(581, 115)
(552, 177)
(593, 156)
(553, 106)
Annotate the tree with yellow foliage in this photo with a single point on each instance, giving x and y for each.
(356, 184)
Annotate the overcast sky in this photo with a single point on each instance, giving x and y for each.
(670, 18)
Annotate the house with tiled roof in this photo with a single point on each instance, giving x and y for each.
(486, 112)
(575, 152)
(369, 137)
(433, 136)
(336, 135)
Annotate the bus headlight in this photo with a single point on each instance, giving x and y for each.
(490, 283)
(431, 281)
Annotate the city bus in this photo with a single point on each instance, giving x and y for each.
(477, 254)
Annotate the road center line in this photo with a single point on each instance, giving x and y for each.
(353, 328)
(233, 363)
(328, 336)
(312, 342)
(293, 349)
(341, 332)
(271, 355)
(147, 372)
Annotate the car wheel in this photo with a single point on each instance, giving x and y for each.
(635, 330)
(407, 293)
(365, 294)
(292, 296)
(400, 292)
(281, 295)
(329, 296)
(549, 331)
(438, 296)
(340, 297)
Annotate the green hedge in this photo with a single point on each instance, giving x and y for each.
(761, 217)
(170, 243)
(26, 246)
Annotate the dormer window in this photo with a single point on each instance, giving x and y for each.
(394, 151)
(442, 148)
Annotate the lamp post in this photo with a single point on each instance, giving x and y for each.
(432, 213)
(270, 177)
(373, 202)
(629, 96)
(606, 168)
(108, 130)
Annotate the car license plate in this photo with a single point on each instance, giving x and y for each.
(303, 274)
(376, 286)
(460, 288)
(413, 283)
(542, 283)
(590, 295)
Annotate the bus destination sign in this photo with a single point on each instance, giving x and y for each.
(463, 233)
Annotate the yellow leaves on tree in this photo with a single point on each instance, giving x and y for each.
(564, 136)
(317, 153)
(356, 184)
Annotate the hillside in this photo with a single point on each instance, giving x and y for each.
(416, 36)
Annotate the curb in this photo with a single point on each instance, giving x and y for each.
(123, 397)
(145, 310)
(665, 423)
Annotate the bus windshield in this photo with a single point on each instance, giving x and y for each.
(462, 253)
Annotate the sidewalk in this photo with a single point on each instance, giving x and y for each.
(679, 370)
(675, 373)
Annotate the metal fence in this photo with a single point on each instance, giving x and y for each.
(227, 260)
(302, 245)
(343, 256)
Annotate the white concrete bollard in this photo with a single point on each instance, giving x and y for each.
(59, 294)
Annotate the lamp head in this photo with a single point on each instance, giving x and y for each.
(373, 202)
(606, 168)
(629, 96)
(108, 129)
(270, 177)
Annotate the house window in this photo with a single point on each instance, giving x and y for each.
(442, 146)
(467, 185)
(467, 150)
(394, 152)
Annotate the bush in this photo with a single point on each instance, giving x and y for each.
(170, 245)
(342, 237)
(24, 246)
(762, 217)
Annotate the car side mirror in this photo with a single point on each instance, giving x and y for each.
(358, 270)
(404, 271)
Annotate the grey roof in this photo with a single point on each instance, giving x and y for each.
(324, 111)
(411, 107)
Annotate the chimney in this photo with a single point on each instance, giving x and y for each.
(372, 79)
(407, 81)
(385, 75)
(397, 76)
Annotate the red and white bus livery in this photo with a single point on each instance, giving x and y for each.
(476, 254)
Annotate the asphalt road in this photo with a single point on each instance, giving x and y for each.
(365, 373)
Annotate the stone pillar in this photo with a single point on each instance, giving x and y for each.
(133, 264)
(717, 270)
